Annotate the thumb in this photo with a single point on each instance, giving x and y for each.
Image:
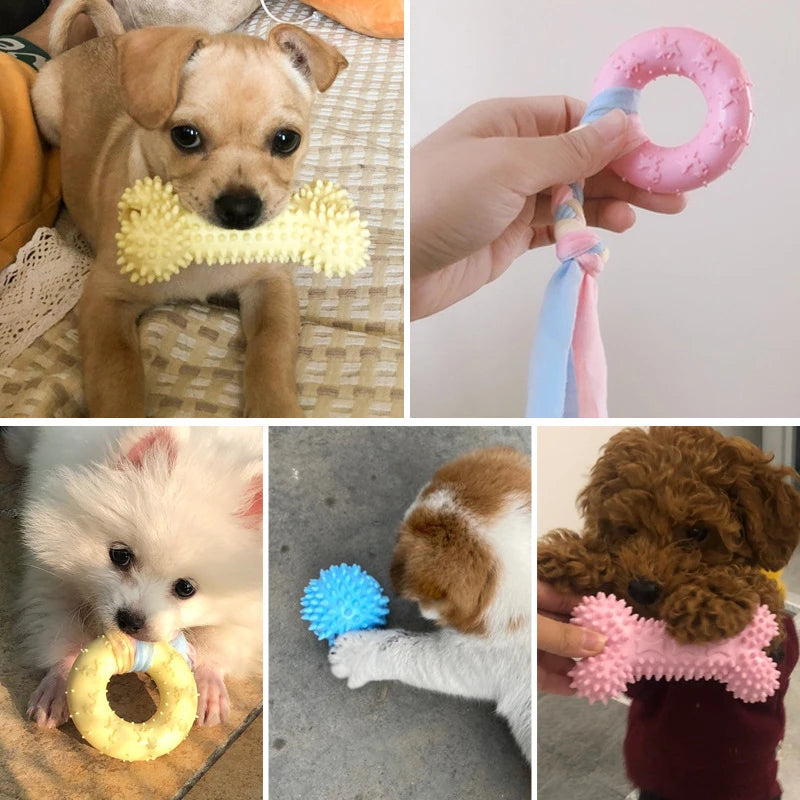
(569, 157)
(564, 639)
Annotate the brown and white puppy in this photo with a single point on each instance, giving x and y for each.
(462, 554)
(226, 119)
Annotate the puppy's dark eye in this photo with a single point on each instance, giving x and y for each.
(697, 532)
(183, 588)
(121, 557)
(285, 142)
(186, 137)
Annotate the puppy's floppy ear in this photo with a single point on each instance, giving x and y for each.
(315, 59)
(768, 506)
(397, 570)
(149, 65)
(626, 448)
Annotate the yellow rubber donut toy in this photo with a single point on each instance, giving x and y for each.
(113, 654)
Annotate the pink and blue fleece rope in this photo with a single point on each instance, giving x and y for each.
(567, 375)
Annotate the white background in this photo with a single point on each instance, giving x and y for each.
(699, 312)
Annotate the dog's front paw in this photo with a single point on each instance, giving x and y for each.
(776, 651)
(213, 703)
(272, 405)
(355, 656)
(48, 704)
(288, 411)
(563, 561)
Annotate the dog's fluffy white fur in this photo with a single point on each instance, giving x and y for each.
(185, 505)
(463, 554)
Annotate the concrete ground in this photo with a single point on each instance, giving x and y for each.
(579, 749)
(337, 495)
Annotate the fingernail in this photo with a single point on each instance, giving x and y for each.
(593, 642)
(612, 125)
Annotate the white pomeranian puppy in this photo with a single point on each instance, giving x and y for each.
(151, 531)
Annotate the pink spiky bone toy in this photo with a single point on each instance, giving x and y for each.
(641, 648)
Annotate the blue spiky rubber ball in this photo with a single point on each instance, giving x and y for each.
(344, 598)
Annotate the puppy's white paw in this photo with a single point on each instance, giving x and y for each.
(213, 704)
(48, 704)
(355, 656)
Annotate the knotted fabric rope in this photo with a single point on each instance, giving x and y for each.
(143, 653)
(568, 364)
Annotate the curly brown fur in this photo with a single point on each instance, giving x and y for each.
(690, 514)
(565, 561)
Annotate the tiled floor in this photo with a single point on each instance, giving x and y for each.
(580, 749)
(338, 494)
(213, 763)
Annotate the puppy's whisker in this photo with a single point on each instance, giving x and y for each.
(30, 565)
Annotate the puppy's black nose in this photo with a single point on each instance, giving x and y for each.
(129, 621)
(238, 208)
(644, 592)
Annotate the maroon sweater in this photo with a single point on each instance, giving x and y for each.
(693, 740)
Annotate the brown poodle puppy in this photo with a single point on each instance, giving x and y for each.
(681, 523)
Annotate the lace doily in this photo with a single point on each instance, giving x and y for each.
(41, 286)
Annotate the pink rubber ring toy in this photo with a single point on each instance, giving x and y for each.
(720, 76)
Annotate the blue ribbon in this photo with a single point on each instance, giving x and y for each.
(143, 653)
(551, 379)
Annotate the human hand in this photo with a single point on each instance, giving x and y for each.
(558, 642)
(480, 189)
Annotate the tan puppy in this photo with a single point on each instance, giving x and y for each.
(226, 119)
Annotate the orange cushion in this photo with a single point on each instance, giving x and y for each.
(30, 179)
(381, 18)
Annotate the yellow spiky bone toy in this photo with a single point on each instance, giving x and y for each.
(158, 237)
(115, 653)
